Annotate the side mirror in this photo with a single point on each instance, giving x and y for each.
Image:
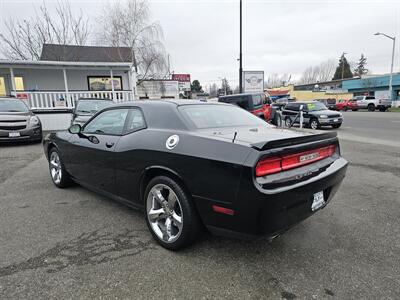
(75, 129)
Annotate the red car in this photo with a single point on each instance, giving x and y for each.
(258, 104)
(346, 105)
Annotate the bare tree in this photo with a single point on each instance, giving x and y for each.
(24, 39)
(320, 73)
(127, 24)
(276, 80)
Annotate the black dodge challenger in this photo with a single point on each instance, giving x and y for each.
(191, 164)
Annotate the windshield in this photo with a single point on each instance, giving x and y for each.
(92, 106)
(214, 116)
(11, 105)
(315, 106)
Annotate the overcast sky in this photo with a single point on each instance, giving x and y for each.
(202, 36)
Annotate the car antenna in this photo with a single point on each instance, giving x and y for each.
(234, 137)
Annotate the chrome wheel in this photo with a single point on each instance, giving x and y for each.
(55, 167)
(314, 124)
(164, 212)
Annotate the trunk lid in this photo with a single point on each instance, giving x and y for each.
(264, 137)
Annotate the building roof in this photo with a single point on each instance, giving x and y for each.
(277, 92)
(53, 52)
(39, 64)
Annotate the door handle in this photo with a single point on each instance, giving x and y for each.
(109, 144)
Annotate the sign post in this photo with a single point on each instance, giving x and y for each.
(183, 82)
(253, 81)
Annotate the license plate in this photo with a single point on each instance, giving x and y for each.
(335, 120)
(14, 134)
(318, 201)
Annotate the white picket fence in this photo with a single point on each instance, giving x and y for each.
(62, 100)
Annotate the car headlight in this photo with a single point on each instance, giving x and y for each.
(323, 116)
(34, 120)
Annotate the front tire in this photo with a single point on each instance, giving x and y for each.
(170, 214)
(58, 174)
(314, 124)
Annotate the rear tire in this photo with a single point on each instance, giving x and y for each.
(58, 174)
(345, 108)
(170, 214)
(288, 122)
(314, 124)
(371, 107)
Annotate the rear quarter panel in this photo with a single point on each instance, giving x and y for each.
(210, 169)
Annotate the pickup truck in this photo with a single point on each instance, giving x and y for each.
(371, 103)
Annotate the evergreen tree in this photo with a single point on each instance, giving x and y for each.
(360, 68)
(343, 69)
(196, 87)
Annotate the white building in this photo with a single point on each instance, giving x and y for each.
(51, 87)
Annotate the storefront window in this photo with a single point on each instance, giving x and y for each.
(103, 83)
(19, 83)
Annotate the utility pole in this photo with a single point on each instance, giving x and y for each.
(393, 38)
(240, 53)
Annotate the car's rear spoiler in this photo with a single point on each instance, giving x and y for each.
(294, 141)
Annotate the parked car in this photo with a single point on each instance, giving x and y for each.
(346, 105)
(190, 164)
(371, 103)
(281, 102)
(329, 103)
(85, 108)
(254, 103)
(315, 115)
(18, 122)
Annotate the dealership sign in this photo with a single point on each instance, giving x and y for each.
(183, 81)
(253, 81)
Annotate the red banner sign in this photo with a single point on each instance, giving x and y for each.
(181, 77)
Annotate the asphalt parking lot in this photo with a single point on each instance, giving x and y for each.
(72, 243)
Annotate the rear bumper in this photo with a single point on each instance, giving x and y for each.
(27, 134)
(268, 213)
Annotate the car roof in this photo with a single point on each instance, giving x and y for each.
(93, 98)
(168, 102)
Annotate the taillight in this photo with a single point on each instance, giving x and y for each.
(274, 165)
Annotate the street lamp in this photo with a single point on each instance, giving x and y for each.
(393, 38)
(240, 52)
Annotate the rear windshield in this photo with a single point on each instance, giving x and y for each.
(258, 100)
(214, 116)
(92, 106)
(12, 106)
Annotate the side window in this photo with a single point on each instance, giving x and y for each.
(135, 120)
(296, 106)
(289, 106)
(108, 122)
(370, 98)
(243, 103)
